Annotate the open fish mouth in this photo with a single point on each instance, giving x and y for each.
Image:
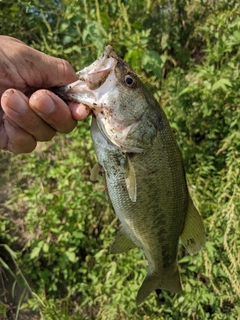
(91, 78)
(97, 72)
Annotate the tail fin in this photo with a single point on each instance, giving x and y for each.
(154, 281)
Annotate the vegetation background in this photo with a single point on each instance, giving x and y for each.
(56, 226)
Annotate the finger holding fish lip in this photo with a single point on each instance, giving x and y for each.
(52, 110)
(79, 111)
(61, 116)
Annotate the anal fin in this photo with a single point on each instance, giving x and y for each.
(193, 236)
(122, 243)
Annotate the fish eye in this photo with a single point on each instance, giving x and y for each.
(130, 82)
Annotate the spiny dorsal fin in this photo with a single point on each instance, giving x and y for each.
(122, 243)
(193, 236)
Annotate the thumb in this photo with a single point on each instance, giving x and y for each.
(55, 72)
(22, 65)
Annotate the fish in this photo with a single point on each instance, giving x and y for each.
(142, 168)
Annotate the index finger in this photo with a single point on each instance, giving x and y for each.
(53, 110)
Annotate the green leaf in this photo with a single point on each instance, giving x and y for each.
(133, 57)
(67, 39)
(35, 253)
(45, 248)
(71, 256)
(222, 83)
(152, 60)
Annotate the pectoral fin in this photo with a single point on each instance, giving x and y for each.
(130, 178)
(96, 173)
(122, 242)
(193, 236)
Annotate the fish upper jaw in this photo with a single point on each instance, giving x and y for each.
(101, 63)
(95, 74)
(94, 84)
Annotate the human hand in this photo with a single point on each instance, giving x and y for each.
(23, 120)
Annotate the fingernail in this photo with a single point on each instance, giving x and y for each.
(43, 103)
(15, 101)
(79, 111)
(83, 111)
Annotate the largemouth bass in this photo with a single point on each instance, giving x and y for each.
(142, 167)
